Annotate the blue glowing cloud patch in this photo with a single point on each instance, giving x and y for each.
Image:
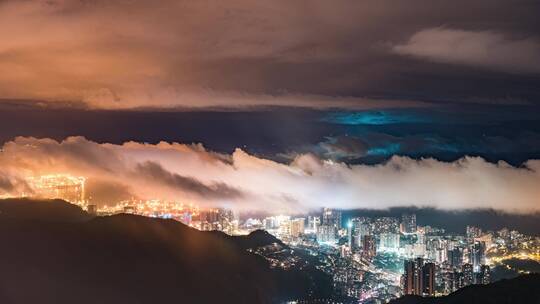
(373, 118)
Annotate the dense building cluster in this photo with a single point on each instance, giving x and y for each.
(370, 259)
(57, 186)
(375, 259)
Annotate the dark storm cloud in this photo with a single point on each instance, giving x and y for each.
(157, 173)
(344, 53)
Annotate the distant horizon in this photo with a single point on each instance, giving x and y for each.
(454, 221)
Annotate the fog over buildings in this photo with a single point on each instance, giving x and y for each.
(246, 182)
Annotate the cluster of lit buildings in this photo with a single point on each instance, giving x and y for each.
(190, 214)
(377, 259)
(73, 189)
(58, 186)
(369, 259)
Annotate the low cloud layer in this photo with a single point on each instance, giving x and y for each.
(486, 49)
(11, 183)
(242, 181)
(155, 171)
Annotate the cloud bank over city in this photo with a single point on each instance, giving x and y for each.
(239, 53)
(245, 182)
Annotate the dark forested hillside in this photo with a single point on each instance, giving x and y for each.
(72, 258)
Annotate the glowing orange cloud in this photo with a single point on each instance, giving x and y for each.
(244, 181)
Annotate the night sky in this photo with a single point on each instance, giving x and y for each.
(320, 102)
(448, 132)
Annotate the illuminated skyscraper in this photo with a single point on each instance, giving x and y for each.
(331, 223)
(408, 223)
(270, 223)
(326, 234)
(468, 275)
(477, 255)
(428, 279)
(331, 217)
(216, 219)
(385, 225)
(360, 226)
(458, 280)
(209, 216)
(408, 277)
(356, 228)
(455, 257)
(350, 234)
(297, 227)
(313, 223)
(473, 232)
(484, 276)
(225, 219)
(369, 249)
(419, 278)
(389, 242)
(284, 229)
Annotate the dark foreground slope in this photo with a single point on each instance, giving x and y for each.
(42, 210)
(524, 289)
(130, 259)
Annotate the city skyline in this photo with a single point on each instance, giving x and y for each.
(368, 258)
(269, 152)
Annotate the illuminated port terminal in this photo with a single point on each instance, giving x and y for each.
(58, 186)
